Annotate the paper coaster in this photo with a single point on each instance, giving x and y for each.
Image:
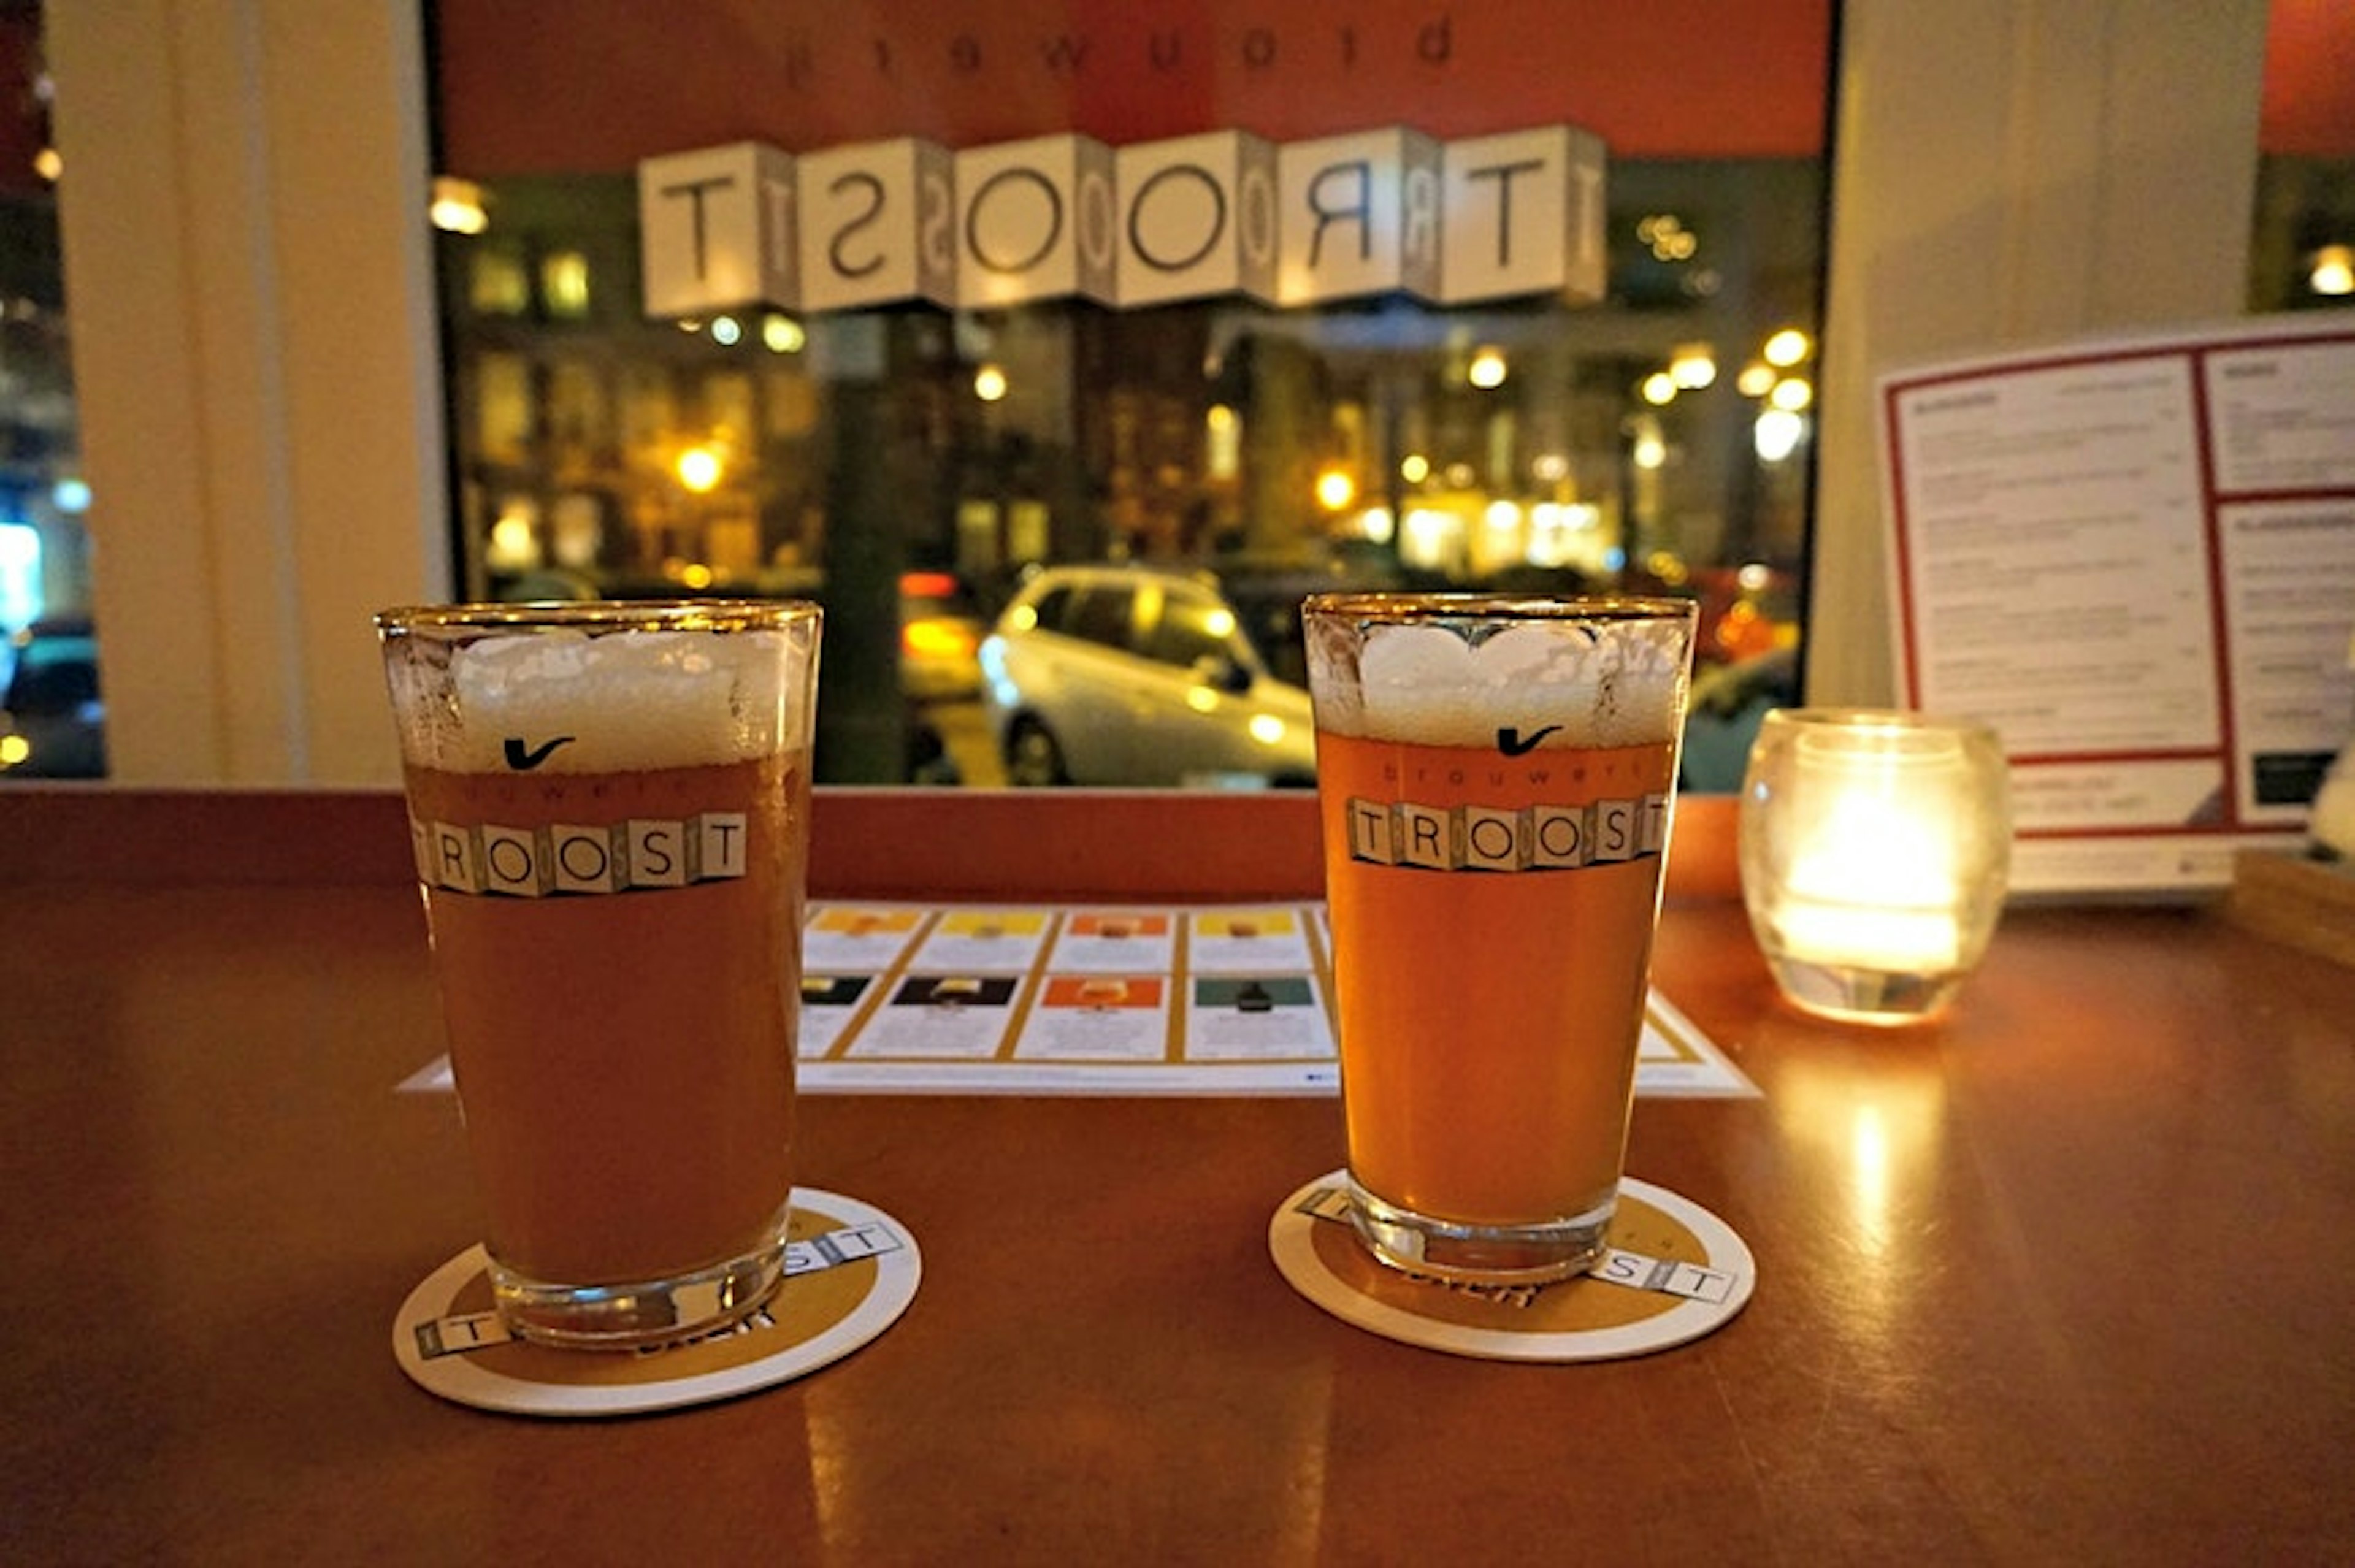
(1674, 1272)
(850, 1271)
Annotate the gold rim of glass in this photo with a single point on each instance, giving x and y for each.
(1876, 720)
(660, 615)
(1401, 608)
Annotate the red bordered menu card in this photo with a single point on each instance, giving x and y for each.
(2135, 558)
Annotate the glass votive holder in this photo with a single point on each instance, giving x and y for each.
(1875, 846)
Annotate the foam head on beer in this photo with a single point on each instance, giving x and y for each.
(617, 703)
(1584, 684)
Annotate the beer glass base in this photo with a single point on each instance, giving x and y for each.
(637, 1316)
(1478, 1255)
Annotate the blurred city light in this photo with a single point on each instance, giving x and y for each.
(1336, 488)
(1777, 434)
(457, 206)
(698, 468)
(1693, 367)
(564, 284)
(1787, 348)
(783, 334)
(2333, 271)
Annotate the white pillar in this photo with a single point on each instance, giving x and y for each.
(2012, 173)
(250, 277)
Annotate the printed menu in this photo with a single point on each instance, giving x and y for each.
(2134, 558)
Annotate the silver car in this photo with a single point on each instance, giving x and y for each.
(1112, 675)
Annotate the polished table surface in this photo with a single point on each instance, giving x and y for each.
(2069, 1277)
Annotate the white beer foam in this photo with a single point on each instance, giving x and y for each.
(1600, 684)
(615, 703)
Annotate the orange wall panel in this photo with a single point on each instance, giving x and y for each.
(608, 85)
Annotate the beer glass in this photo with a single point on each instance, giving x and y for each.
(609, 809)
(1495, 779)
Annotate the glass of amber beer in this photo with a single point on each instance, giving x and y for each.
(610, 808)
(1495, 779)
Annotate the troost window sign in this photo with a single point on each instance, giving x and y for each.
(1388, 210)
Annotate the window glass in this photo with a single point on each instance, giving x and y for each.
(2302, 249)
(1100, 614)
(1190, 630)
(51, 720)
(1640, 423)
(1657, 438)
(2303, 255)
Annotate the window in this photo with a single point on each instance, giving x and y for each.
(1190, 630)
(1660, 438)
(50, 720)
(1099, 613)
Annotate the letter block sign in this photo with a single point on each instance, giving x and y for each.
(1524, 216)
(1196, 219)
(716, 229)
(879, 225)
(1359, 215)
(1035, 220)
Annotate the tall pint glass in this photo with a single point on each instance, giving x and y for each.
(1495, 778)
(610, 808)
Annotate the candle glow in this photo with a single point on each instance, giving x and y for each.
(1874, 886)
(1873, 853)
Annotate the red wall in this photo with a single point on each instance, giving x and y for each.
(2309, 103)
(1661, 78)
(24, 128)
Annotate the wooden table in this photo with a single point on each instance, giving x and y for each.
(2069, 1278)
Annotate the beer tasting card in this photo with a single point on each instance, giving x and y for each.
(1109, 999)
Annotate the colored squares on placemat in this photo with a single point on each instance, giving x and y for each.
(1118, 925)
(850, 937)
(952, 1018)
(984, 941)
(1108, 1018)
(1247, 1017)
(829, 1003)
(1116, 940)
(1104, 991)
(1252, 941)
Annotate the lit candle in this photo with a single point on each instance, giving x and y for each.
(1874, 846)
(1873, 887)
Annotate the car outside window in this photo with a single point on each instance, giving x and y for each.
(1100, 613)
(1191, 630)
(1051, 612)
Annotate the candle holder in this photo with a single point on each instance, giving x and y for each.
(1875, 846)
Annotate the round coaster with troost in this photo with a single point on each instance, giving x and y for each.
(1672, 1272)
(851, 1271)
